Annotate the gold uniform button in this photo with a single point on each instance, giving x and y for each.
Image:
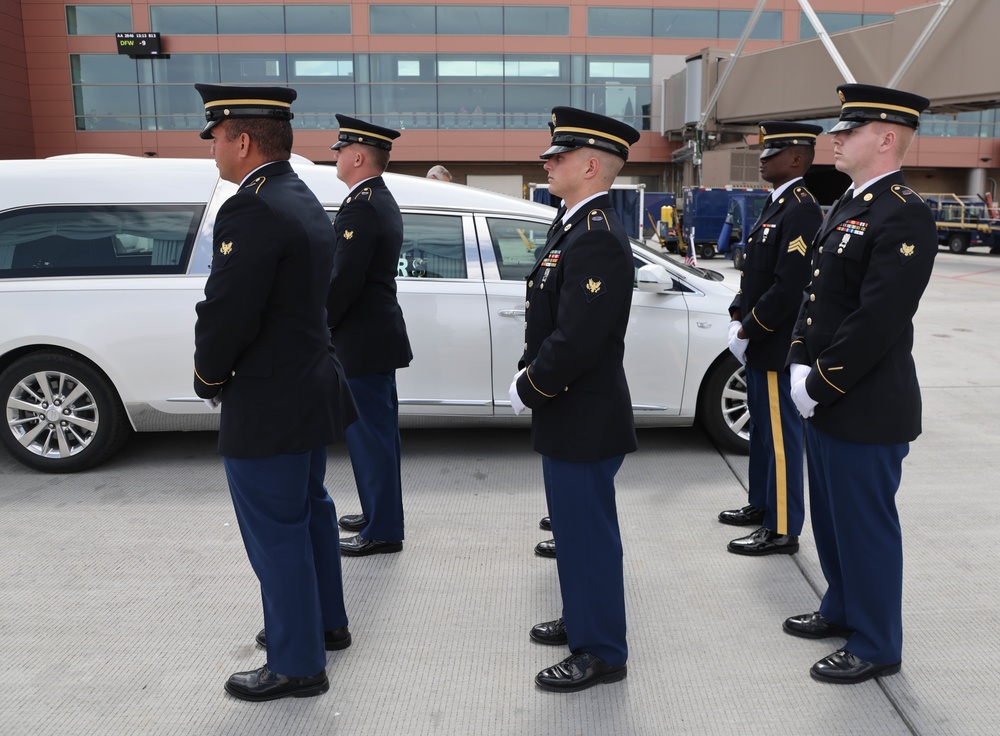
(530, 284)
(839, 251)
(525, 346)
(809, 320)
(812, 297)
(526, 304)
(816, 272)
(821, 249)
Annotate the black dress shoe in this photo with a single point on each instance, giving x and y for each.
(764, 541)
(545, 524)
(333, 640)
(578, 672)
(814, 626)
(550, 632)
(352, 522)
(263, 684)
(359, 546)
(546, 548)
(844, 668)
(746, 516)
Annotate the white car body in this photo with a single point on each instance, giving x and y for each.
(466, 330)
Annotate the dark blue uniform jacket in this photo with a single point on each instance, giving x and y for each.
(261, 338)
(576, 313)
(873, 258)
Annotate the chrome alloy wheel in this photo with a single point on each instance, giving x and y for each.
(734, 404)
(52, 414)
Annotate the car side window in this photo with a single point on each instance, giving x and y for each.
(433, 247)
(516, 244)
(92, 240)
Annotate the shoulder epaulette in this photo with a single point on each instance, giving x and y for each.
(803, 195)
(905, 193)
(597, 218)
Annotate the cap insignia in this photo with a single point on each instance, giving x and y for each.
(842, 98)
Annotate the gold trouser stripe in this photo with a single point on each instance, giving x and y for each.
(778, 439)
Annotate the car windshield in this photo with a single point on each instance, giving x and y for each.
(699, 273)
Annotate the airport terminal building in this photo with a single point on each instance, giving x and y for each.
(469, 82)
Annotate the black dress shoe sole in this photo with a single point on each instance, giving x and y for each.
(745, 521)
(330, 646)
(307, 691)
(761, 552)
(381, 549)
(870, 674)
(607, 678)
(551, 640)
(824, 634)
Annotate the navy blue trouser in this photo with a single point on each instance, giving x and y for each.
(581, 501)
(852, 498)
(289, 527)
(776, 476)
(373, 442)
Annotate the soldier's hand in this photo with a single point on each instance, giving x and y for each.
(214, 401)
(799, 372)
(737, 345)
(515, 399)
(803, 402)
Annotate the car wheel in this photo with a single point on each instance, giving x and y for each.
(61, 414)
(958, 243)
(708, 250)
(722, 405)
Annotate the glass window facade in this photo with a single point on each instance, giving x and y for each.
(468, 20)
(98, 20)
(834, 22)
(193, 20)
(680, 23)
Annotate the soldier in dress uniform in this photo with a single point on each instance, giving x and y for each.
(775, 271)
(261, 344)
(573, 379)
(854, 379)
(369, 332)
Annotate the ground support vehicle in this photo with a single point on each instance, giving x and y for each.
(964, 222)
(716, 219)
(103, 258)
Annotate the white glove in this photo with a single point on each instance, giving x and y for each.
(737, 346)
(804, 402)
(799, 372)
(213, 402)
(515, 400)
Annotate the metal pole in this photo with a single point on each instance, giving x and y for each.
(943, 8)
(824, 37)
(729, 69)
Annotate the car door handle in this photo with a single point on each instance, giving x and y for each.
(511, 312)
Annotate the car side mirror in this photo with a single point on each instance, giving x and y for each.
(655, 279)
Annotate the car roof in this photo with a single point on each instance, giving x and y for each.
(96, 178)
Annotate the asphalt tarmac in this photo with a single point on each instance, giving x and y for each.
(126, 598)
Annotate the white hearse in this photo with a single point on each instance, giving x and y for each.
(103, 258)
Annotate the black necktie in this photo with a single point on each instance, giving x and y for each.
(844, 199)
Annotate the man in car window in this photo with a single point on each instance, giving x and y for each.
(854, 379)
(774, 273)
(262, 349)
(572, 378)
(369, 333)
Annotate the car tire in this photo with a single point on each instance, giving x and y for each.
(958, 243)
(45, 432)
(722, 405)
